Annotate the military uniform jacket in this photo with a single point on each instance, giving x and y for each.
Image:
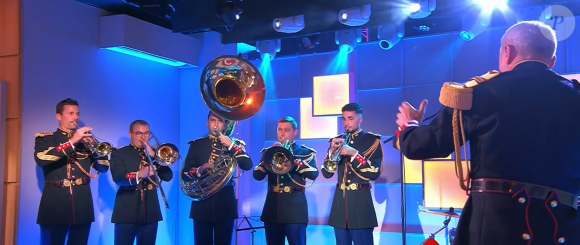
(63, 162)
(137, 200)
(288, 207)
(522, 126)
(223, 205)
(354, 209)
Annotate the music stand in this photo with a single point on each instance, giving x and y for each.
(250, 227)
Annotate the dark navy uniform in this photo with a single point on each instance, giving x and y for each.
(285, 213)
(353, 213)
(522, 126)
(136, 212)
(66, 205)
(214, 217)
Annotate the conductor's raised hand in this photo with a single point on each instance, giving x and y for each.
(408, 113)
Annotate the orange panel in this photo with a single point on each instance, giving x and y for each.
(315, 127)
(441, 185)
(413, 171)
(331, 93)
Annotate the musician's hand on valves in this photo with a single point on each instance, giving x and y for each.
(408, 113)
(225, 140)
(145, 172)
(206, 166)
(348, 151)
(80, 134)
(336, 142)
(88, 140)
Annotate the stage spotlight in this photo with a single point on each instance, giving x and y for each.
(229, 10)
(348, 39)
(309, 42)
(390, 34)
(489, 5)
(268, 49)
(357, 16)
(418, 9)
(473, 25)
(291, 24)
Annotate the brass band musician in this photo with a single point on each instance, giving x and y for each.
(136, 213)
(213, 218)
(66, 157)
(285, 213)
(358, 157)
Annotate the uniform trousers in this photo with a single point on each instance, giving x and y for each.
(213, 232)
(57, 234)
(356, 236)
(146, 233)
(295, 233)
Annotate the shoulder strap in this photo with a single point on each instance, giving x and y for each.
(374, 134)
(191, 141)
(310, 149)
(459, 95)
(36, 135)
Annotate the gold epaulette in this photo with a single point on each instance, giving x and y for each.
(459, 95)
(310, 149)
(191, 141)
(239, 141)
(374, 134)
(36, 135)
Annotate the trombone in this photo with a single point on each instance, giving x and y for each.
(100, 149)
(334, 157)
(280, 157)
(165, 155)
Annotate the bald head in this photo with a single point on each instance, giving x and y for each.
(527, 40)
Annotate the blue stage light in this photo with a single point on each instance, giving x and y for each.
(147, 56)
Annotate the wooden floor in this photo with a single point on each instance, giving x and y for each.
(10, 71)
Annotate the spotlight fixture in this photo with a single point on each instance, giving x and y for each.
(347, 40)
(473, 25)
(229, 10)
(357, 16)
(418, 9)
(268, 49)
(309, 42)
(390, 34)
(291, 24)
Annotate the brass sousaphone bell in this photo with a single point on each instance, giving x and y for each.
(234, 90)
(279, 159)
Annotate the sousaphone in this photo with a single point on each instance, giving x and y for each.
(234, 90)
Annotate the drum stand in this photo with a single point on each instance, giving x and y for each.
(432, 235)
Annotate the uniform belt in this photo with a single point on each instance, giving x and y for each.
(534, 191)
(354, 186)
(146, 187)
(67, 182)
(286, 189)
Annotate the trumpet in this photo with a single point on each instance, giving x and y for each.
(100, 149)
(166, 154)
(333, 159)
(280, 157)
